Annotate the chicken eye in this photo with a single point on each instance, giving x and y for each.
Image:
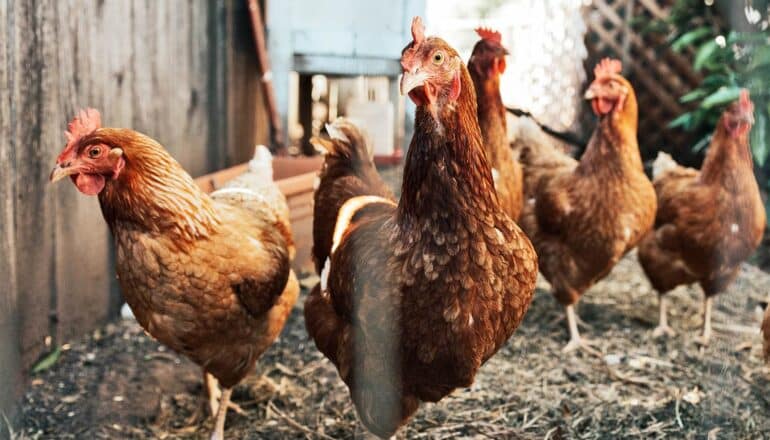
(438, 58)
(94, 152)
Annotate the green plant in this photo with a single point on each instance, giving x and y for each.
(729, 61)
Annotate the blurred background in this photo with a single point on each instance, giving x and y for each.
(211, 79)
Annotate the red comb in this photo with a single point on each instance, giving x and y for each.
(489, 35)
(418, 30)
(745, 101)
(84, 123)
(607, 67)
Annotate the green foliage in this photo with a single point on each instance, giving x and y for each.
(47, 362)
(729, 61)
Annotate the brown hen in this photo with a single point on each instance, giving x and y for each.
(207, 276)
(417, 295)
(708, 221)
(584, 216)
(486, 65)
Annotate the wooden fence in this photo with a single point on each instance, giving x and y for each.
(659, 75)
(184, 72)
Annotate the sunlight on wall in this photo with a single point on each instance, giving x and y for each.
(545, 38)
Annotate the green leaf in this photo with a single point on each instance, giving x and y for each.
(701, 144)
(689, 38)
(706, 52)
(759, 139)
(715, 80)
(693, 96)
(684, 120)
(723, 95)
(47, 362)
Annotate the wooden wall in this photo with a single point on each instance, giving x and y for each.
(181, 71)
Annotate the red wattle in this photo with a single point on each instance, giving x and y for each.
(89, 184)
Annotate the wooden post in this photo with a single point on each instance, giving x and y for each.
(277, 139)
(10, 351)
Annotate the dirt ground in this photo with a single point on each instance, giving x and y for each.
(118, 383)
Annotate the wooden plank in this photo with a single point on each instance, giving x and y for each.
(10, 380)
(248, 122)
(83, 285)
(640, 72)
(34, 207)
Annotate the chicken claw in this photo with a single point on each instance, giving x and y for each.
(214, 394)
(575, 341)
(587, 345)
(663, 329)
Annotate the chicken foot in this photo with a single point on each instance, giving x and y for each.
(575, 341)
(663, 329)
(214, 394)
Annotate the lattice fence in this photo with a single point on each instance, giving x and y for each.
(659, 75)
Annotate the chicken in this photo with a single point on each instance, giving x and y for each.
(208, 277)
(348, 171)
(584, 216)
(708, 222)
(486, 65)
(417, 295)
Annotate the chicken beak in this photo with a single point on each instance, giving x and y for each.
(590, 94)
(60, 171)
(412, 80)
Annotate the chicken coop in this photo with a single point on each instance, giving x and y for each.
(212, 81)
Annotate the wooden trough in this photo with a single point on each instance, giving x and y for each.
(294, 177)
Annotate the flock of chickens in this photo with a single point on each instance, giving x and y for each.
(416, 293)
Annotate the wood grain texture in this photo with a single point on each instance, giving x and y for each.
(10, 387)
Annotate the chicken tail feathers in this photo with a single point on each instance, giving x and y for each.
(346, 142)
(262, 163)
(663, 163)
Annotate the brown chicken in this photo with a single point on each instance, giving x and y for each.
(708, 222)
(584, 216)
(417, 295)
(486, 64)
(207, 276)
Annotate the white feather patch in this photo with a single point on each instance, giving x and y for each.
(336, 133)
(325, 274)
(664, 162)
(346, 213)
(242, 191)
(734, 228)
(495, 176)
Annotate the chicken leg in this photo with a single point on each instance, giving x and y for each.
(663, 329)
(214, 394)
(706, 335)
(575, 341)
(219, 426)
